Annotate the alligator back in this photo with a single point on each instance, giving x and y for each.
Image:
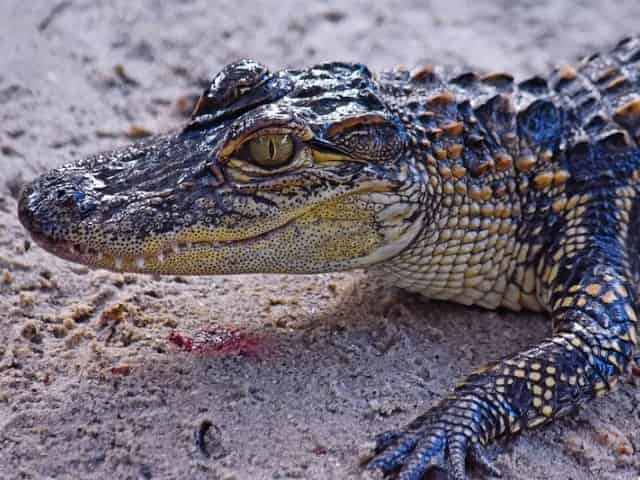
(508, 161)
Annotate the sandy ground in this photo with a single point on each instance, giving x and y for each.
(97, 379)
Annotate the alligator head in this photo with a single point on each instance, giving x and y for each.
(294, 171)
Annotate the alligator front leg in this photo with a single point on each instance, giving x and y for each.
(591, 301)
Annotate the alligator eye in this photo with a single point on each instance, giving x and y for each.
(271, 151)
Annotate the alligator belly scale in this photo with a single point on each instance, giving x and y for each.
(461, 186)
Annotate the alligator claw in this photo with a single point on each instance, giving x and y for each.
(385, 439)
(429, 444)
(479, 457)
(392, 450)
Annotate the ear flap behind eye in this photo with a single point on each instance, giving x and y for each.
(352, 122)
(370, 137)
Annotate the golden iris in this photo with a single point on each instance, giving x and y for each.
(271, 151)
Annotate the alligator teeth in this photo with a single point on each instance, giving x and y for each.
(118, 262)
(140, 262)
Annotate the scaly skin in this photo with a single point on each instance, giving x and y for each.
(458, 186)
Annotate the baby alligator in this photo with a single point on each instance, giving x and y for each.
(458, 185)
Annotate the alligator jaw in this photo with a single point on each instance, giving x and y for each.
(146, 263)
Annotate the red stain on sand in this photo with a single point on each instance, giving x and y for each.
(180, 341)
(319, 450)
(218, 341)
(121, 370)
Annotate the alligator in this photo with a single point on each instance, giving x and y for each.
(461, 186)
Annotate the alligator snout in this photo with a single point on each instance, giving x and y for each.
(49, 204)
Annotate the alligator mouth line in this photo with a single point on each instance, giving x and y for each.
(90, 256)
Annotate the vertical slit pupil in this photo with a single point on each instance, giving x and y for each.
(272, 149)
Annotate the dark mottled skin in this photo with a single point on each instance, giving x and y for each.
(457, 185)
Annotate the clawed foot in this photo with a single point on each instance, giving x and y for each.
(428, 444)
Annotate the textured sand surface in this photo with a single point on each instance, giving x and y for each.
(91, 385)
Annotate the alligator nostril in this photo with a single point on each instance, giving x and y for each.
(69, 198)
(67, 201)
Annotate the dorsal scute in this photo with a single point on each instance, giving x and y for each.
(627, 50)
(614, 140)
(535, 85)
(530, 126)
(470, 120)
(497, 115)
(466, 79)
(541, 124)
(608, 99)
(501, 81)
